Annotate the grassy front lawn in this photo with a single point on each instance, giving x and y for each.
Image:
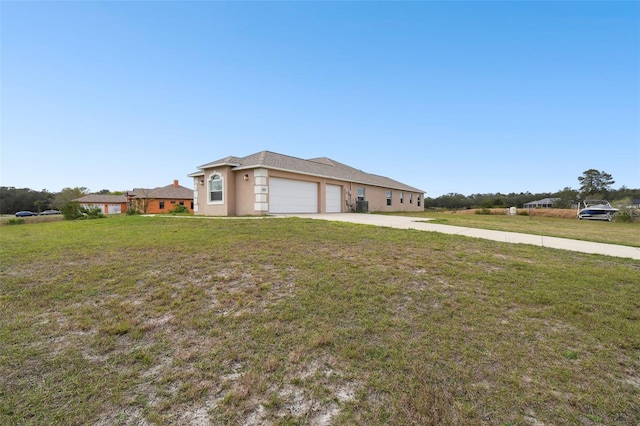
(128, 320)
(627, 234)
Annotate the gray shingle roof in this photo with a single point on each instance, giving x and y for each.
(322, 167)
(100, 199)
(170, 191)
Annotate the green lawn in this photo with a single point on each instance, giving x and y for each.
(589, 230)
(128, 320)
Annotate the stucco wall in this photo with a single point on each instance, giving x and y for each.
(241, 189)
(202, 188)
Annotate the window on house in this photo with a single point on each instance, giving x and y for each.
(360, 193)
(215, 189)
(161, 204)
(418, 200)
(388, 198)
(410, 198)
(401, 197)
(192, 205)
(173, 201)
(181, 203)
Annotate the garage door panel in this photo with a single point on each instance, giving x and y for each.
(292, 196)
(334, 199)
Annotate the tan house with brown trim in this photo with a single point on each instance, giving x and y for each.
(270, 183)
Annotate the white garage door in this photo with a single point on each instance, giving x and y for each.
(292, 196)
(334, 199)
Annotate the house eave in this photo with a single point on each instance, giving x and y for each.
(213, 165)
(261, 166)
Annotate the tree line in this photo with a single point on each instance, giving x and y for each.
(16, 199)
(594, 184)
(567, 199)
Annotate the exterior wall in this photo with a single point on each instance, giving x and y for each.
(322, 182)
(246, 193)
(154, 205)
(201, 187)
(249, 190)
(377, 198)
(104, 207)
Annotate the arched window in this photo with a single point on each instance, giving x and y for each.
(216, 189)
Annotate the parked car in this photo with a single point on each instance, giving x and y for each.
(25, 213)
(48, 212)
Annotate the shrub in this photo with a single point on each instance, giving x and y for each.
(483, 211)
(92, 213)
(15, 221)
(179, 208)
(627, 216)
(132, 211)
(72, 211)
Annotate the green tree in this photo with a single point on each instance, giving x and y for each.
(594, 182)
(567, 197)
(65, 196)
(16, 199)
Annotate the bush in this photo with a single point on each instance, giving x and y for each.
(92, 213)
(627, 216)
(179, 208)
(15, 221)
(73, 210)
(132, 211)
(483, 211)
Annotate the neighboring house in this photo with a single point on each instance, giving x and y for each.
(160, 200)
(108, 204)
(544, 203)
(635, 202)
(270, 183)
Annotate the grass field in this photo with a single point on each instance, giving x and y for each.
(156, 320)
(563, 225)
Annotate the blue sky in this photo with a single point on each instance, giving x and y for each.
(466, 97)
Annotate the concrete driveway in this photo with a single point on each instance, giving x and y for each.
(404, 222)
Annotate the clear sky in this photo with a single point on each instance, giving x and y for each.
(466, 97)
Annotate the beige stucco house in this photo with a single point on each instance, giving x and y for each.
(270, 183)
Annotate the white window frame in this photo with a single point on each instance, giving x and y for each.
(389, 197)
(209, 189)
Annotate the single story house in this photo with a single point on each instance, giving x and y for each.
(160, 200)
(270, 183)
(108, 204)
(544, 203)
